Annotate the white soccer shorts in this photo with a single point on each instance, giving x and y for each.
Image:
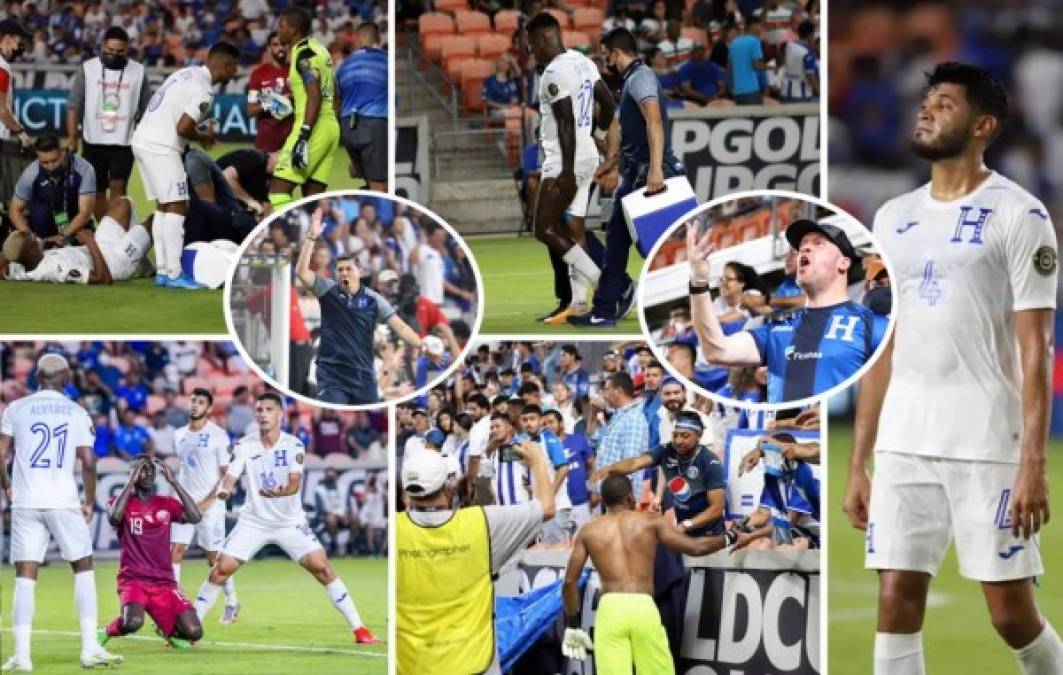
(584, 182)
(581, 515)
(919, 504)
(163, 175)
(31, 529)
(122, 249)
(209, 532)
(247, 538)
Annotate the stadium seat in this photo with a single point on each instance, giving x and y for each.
(339, 460)
(22, 367)
(155, 403)
(192, 382)
(562, 18)
(723, 236)
(473, 23)
(433, 43)
(589, 20)
(314, 462)
(454, 50)
(491, 45)
(451, 5)
(473, 74)
(506, 21)
(574, 39)
(434, 23)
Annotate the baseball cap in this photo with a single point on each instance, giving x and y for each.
(799, 228)
(11, 27)
(436, 437)
(433, 345)
(424, 473)
(387, 276)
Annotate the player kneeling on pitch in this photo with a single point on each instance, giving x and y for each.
(114, 253)
(273, 514)
(622, 545)
(146, 582)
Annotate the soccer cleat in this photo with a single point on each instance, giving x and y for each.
(162, 280)
(364, 636)
(184, 282)
(230, 613)
(591, 320)
(628, 300)
(558, 319)
(101, 636)
(13, 665)
(100, 657)
(545, 318)
(175, 642)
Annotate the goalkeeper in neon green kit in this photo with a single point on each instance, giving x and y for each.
(306, 158)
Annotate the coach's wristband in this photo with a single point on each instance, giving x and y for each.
(696, 289)
(572, 620)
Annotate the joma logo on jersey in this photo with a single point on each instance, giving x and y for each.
(974, 221)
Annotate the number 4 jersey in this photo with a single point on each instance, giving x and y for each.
(48, 428)
(961, 270)
(268, 469)
(570, 74)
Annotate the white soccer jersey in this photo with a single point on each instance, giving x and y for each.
(66, 264)
(48, 428)
(201, 453)
(961, 269)
(573, 75)
(186, 92)
(266, 470)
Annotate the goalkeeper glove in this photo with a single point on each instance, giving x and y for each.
(576, 644)
(301, 151)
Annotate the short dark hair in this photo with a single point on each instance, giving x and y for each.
(529, 388)
(224, 48)
(10, 26)
(239, 391)
(46, 143)
(655, 364)
(527, 368)
(205, 393)
(615, 490)
(555, 414)
(269, 38)
(805, 29)
(643, 348)
(623, 382)
(984, 91)
(622, 39)
(345, 257)
(271, 396)
(532, 409)
(116, 33)
(507, 371)
(753, 20)
(501, 416)
(478, 399)
(542, 21)
(570, 349)
(298, 17)
(464, 421)
(686, 347)
(498, 400)
(369, 29)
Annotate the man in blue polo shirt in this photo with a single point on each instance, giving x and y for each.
(362, 80)
(556, 530)
(807, 352)
(692, 473)
(701, 80)
(745, 62)
(580, 458)
(350, 313)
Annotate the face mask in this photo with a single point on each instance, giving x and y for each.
(879, 300)
(114, 61)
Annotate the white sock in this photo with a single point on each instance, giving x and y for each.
(580, 287)
(339, 596)
(582, 263)
(1043, 656)
(230, 592)
(177, 572)
(85, 597)
(205, 599)
(22, 616)
(899, 654)
(158, 227)
(175, 242)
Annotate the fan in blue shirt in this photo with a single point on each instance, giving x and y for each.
(810, 351)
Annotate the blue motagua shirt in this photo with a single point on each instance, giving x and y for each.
(816, 348)
(689, 482)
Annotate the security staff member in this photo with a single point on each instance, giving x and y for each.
(815, 348)
(362, 80)
(447, 562)
(109, 94)
(55, 195)
(645, 161)
(14, 141)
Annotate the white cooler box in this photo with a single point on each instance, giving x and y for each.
(648, 218)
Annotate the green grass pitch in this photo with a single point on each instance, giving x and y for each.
(130, 306)
(519, 286)
(958, 638)
(286, 624)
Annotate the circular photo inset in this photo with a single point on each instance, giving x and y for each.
(767, 297)
(354, 298)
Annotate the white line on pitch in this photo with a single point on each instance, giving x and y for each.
(215, 643)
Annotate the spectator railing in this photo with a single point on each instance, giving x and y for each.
(475, 145)
(414, 57)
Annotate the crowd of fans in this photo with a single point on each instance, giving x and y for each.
(137, 396)
(177, 33)
(415, 263)
(587, 406)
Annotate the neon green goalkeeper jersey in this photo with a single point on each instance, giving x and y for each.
(318, 60)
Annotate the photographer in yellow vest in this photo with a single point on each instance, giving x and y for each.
(448, 560)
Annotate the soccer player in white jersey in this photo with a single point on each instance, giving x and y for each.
(50, 433)
(114, 252)
(569, 88)
(273, 514)
(203, 455)
(172, 120)
(956, 410)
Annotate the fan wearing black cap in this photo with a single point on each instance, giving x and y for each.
(13, 41)
(815, 348)
(447, 562)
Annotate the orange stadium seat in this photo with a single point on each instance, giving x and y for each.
(451, 5)
(192, 382)
(457, 47)
(723, 236)
(473, 74)
(155, 403)
(754, 229)
(434, 22)
(506, 21)
(489, 46)
(433, 43)
(473, 23)
(574, 39)
(588, 19)
(22, 367)
(562, 18)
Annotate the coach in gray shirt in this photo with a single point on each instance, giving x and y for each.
(55, 195)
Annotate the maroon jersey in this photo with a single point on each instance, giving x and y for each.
(144, 540)
(271, 132)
